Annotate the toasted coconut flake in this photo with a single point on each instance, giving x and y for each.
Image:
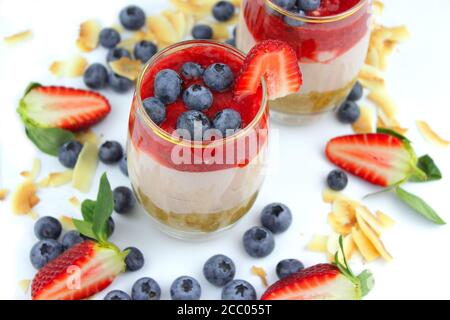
(333, 247)
(128, 44)
(85, 167)
(35, 170)
(220, 31)
(318, 243)
(24, 198)
(24, 285)
(364, 245)
(384, 102)
(178, 21)
(67, 223)
(56, 179)
(163, 29)
(261, 273)
(3, 194)
(366, 121)
(430, 135)
(385, 220)
(86, 136)
(378, 7)
(18, 37)
(118, 27)
(364, 214)
(71, 68)
(371, 78)
(343, 217)
(330, 196)
(373, 238)
(75, 202)
(126, 67)
(200, 9)
(89, 35)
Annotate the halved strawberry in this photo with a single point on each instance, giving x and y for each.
(61, 107)
(80, 272)
(277, 62)
(378, 158)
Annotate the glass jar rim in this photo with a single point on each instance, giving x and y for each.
(191, 143)
(311, 19)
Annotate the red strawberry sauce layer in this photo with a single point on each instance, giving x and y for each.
(310, 39)
(146, 140)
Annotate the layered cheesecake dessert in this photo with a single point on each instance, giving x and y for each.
(330, 37)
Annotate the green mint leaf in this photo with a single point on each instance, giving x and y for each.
(84, 227)
(393, 133)
(367, 282)
(427, 165)
(87, 210)
(419, 205)
(103, 209)
(48, 140)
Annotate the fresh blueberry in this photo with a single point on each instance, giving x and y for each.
(223, 11)
(356, 93)
(116, 54)
(155, 109)
(124, 200)
(123, 165)
(193, 122)
(167, 86)
(144, 50)
(219, 270)
(227, 121)
(69, 152)
(258, 242)
(308, 5)
(44, 251)
(295, 22)
(238, 290)
(117, 295)
(146, 289)
(118, 83)
(132, 18)
(197, 97)
(337, 180)
(109, 38)
(287, 267)
(231, 42)
(96, 76)
(134, 260)
(218, 77)
(111, 226)
(202, 32)
(47, 228)
(191, 71)
(185, 288)
(285, 4)
(348, 112)
(276, 217)
(71, 238)
(110, 152)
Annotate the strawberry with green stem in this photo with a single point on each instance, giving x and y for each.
(386, 159)
(88, 267)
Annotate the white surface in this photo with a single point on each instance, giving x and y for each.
(418, 78)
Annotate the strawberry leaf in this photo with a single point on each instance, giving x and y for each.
(87, 210)
(103, 209)
(427, 165)
(419, 205)
(84, 227)
(48, 140)
(366, 281)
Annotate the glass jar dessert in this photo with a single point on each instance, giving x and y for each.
(196, 180)
(331, 43)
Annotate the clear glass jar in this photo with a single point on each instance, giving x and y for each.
(194, 189)
(331, 51)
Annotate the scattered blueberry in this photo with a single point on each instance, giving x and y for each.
(185, 288)
(116, 54)
(223, 11)
(69, 152)
(238, 290)
(308, 5)
(167, 86)
(231, 42)
(132, 18)
(197, 97)
(155, 109)
(218, 77)
(202, 32)
(96, 76)
(118, 83)
(45, 251)
(117, 295)
(276, 217)
(295, 22)
(337, 180)
(144, 50)
(258, 242)
(71, 238)
(134, 260)
(123, 165)
(285, 4)
(287, 267)
(191, 71)
(110, 152)
(193, 122)
(47, 228)
(348, 112)
(109, 38)
(227, 121)
(146, 289)
(219, 270)
(111, 226)
(124, 200)
(356, 93)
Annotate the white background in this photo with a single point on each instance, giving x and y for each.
(418, 78)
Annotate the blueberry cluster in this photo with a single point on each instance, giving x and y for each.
(349, 111)
(298, 7)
